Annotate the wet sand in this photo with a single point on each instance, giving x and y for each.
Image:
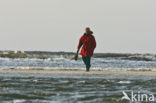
(104, 72)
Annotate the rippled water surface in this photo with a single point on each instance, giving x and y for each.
(64, 60)
(58, 88)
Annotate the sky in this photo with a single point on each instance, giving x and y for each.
(119, 26)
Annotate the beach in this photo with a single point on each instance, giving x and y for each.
(82, 72)
(77, 51)
(55, 77)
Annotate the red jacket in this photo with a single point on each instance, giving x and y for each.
(88, 44)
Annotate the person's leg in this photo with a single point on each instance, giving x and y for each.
(84, 59)
(88, 65)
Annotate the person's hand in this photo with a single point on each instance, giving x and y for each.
(76, 56)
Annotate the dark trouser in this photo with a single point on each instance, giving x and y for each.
(86, 61)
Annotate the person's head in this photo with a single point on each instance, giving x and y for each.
(87, 30)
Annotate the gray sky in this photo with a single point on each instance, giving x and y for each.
(56, 25)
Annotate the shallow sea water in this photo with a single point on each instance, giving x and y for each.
(68, 88)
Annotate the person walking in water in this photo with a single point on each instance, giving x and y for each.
(88, 44)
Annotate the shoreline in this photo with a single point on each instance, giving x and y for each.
(82, 72)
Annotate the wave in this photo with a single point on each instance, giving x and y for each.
(70, 55)
(34, 54)
(140, 58)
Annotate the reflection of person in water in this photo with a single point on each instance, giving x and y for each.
(88, 44)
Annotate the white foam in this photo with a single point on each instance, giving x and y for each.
(124, 82)
(18, 101)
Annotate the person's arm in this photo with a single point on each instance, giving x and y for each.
(78, 48)
(94, 42)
